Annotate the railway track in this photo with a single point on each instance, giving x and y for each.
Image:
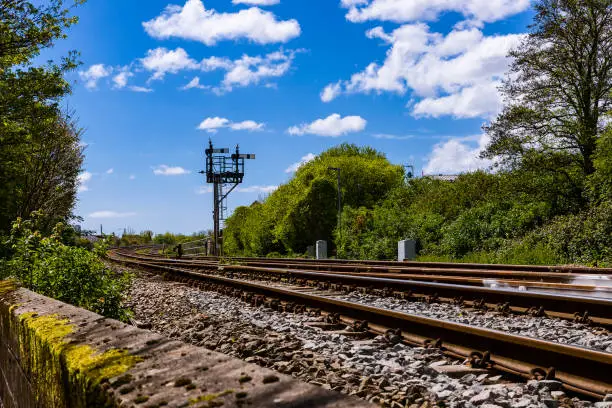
(581, 370)
(577, 308)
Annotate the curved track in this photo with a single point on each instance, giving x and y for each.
(581, 370)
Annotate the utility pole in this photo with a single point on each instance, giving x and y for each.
(222, 170)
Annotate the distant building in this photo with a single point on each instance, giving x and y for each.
(443, 177)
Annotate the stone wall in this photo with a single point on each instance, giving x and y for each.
(56, 355)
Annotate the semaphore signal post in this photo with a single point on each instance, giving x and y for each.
(224, 172)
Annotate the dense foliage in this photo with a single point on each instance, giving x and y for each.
(304, 210)
(67, 273)
(40, 160)
(40, 155)
(548, 201)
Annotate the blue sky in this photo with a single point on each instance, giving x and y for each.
(284, 79)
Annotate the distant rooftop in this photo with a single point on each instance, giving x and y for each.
(443, 177)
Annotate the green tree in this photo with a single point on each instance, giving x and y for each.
(40, 155)
(558, 88)
(304, 210)
(600, 182)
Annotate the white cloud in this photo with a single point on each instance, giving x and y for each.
(478, 100)
(391, 137)
(252, 70)
(164, 170)
(110, 171)
(257, 2)
(121, 79)
(111, 214)
(402, 11)
(161, 61)
(249, 125)
(458, 155)
(204, 190)
(331, 91)
(333, 126)
(82, 180)
(212, 125)
(245, 71)
(454, 74)
(140, 89)
(94, 74)
(256, 189)
(194, 22)
(295, 166)
(194, 83)
(132, 177)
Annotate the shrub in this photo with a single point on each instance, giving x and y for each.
(69, 274)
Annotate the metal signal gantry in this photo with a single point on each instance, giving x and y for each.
(223, 171)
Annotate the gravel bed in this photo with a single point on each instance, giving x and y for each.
(545, 328)
(391, 375)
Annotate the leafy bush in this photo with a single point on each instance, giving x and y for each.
(304, 210)
(69, 274)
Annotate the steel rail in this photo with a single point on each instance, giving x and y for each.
(445, 265)
(581, 370)
(599, 310)
(476, 277)
(457, 271)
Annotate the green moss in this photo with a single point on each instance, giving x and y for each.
(55, 362)
(124, 379)
(209, 397)
(140, 399)
(7, 286)
(126, 390)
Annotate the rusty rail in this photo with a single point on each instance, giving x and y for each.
(580, 370)
(598, 310)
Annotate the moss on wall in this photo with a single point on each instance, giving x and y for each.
(62, 372)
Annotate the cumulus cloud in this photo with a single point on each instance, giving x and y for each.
(194, 22)
(332, 126)
(331, 91)
(244, 71)
(249, 70)
(456, 74)
(93, 74)
(458, 155)
(82, 180)
(256, 189)
(402, 11)
(257, 2)
(212, 125)
(111, 214)
(472, 101)
(110, 171)
(121, 79)
(161, 61)
(194, 84)
(164, 170)
(295, 166)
